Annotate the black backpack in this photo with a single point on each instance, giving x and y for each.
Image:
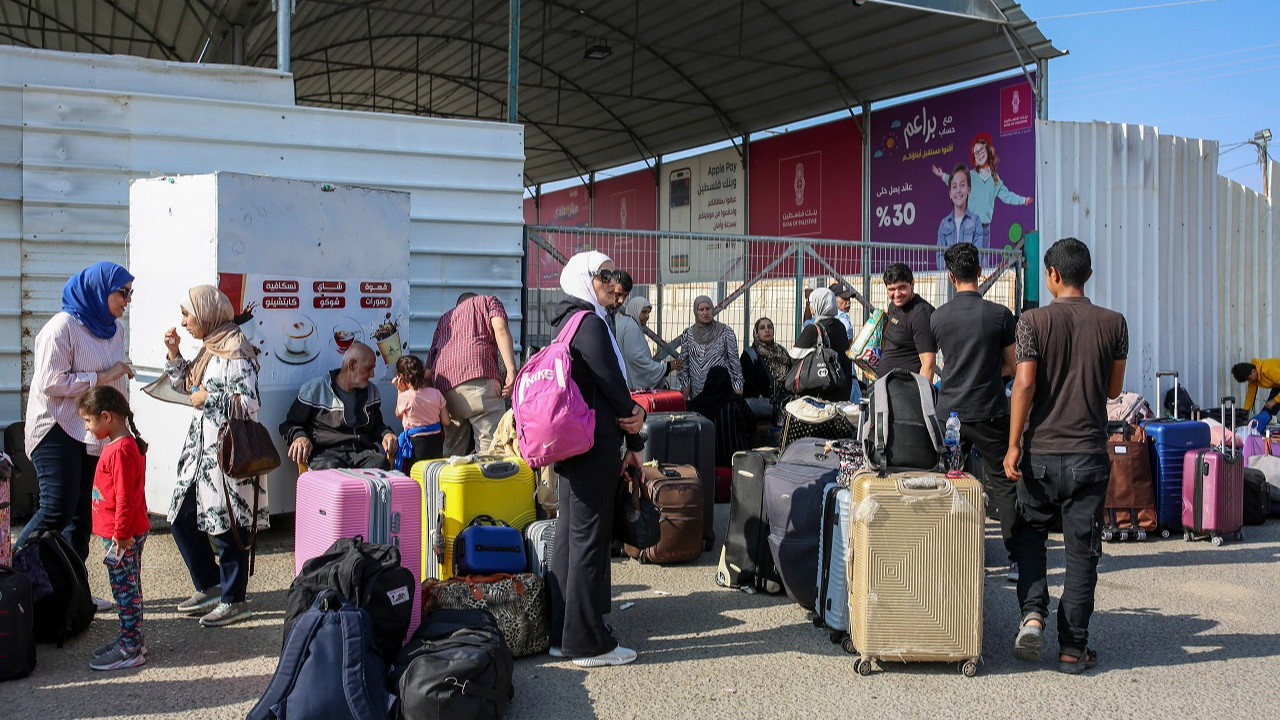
(68, 609)
(456, 666)
(17, 636)
(371, 577)
(900, 428)
(328, 668)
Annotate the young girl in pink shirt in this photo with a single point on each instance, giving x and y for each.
(422, 412)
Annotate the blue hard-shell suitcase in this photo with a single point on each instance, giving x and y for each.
(832, 606)
(1170, 441)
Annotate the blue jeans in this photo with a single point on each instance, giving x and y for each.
(64, 470)
(1076, 486)
(231, 569)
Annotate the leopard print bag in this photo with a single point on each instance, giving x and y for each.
(518, 602)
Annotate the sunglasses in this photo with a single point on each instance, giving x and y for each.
(609, 276)
(126, 293)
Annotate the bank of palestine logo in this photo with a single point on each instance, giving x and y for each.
(1017, 108)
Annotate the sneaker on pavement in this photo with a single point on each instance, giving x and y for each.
(118, 657)
(617, 656)
(111, 646)
(1013, 573)
(102, 604)
(555, 652)
(226, 614)
(201, 602)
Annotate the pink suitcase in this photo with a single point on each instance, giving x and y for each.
(1213, 491)
(382, 507)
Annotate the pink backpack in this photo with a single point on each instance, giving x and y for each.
(553, 422)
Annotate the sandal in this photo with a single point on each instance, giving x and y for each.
(1030, 640)
(1084, 660)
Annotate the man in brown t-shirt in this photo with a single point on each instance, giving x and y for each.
(1070, 359)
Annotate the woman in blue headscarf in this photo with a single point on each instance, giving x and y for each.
(78, 348)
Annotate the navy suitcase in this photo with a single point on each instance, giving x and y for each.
(1170, 440)
(686, 438)
(487, 546)
(794, 489)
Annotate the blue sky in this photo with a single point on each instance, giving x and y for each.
(1201, 69)
(1197, 68)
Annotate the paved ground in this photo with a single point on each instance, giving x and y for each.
(1183, 630)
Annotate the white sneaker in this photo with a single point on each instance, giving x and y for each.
(555, 652)
(102, 604)
(617, 656)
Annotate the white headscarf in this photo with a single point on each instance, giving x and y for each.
(575, 281)
(823, 302)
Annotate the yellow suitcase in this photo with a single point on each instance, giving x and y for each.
(916, 573)
(453, 495)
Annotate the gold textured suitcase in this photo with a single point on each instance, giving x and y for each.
(916, 575)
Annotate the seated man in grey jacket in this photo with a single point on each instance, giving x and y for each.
(336, 420)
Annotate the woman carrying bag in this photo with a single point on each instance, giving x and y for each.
(222, 382)
(829, 332)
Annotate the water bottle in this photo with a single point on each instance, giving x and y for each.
(952, 441)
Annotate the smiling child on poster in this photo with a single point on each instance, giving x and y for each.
(985, 186)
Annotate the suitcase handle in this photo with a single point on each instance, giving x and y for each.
(1160, 397)
(499, 469)
(1229, 449)
(924, 486)
(487, 520)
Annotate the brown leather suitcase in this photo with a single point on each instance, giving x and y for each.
(677, 492)
(1131, 498)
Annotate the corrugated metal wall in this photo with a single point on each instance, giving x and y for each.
(1147, 206)
(67, 155)
(1248, 257)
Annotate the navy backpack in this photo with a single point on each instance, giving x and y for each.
(328, 668)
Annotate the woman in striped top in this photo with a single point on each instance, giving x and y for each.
(707, 344)
(78, 348)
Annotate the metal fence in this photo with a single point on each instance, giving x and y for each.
(747, 276)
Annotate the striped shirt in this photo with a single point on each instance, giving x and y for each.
(67, 361)
(464, 347)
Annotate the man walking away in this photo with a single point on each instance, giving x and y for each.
(1070, 359)
(907, 342)
(463, 366)
(976, 337)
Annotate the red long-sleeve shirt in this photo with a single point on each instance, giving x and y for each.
(119, 496)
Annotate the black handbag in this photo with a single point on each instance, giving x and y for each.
(635, 517)
(817, 372)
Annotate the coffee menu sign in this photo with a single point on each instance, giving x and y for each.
(303, 327)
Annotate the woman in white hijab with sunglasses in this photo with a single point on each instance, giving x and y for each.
(578, 580)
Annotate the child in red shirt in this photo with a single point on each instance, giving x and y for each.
(422, 412)
(119, 517)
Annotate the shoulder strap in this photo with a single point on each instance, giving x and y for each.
(925, 391)
(292, 657)
(751, 353)
(880, 420)
(571, 328)
(357, 639)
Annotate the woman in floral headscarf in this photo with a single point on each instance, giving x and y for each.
(222, 377)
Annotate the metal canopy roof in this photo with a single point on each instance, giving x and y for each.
(677, 75)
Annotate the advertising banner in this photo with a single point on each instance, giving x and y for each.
(570, 207)
(302, 327)
(917, 195)
(808, 183)
(629, 202)
(703, 194)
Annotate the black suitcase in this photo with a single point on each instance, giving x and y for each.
(745, 559)
(1257, 499)
(24, 490)
(17, 631)
(686, 439)
(794, 488)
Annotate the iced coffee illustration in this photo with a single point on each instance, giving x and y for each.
(387, 335)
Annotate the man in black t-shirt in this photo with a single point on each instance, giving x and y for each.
(976, 338)
(1070, 359)
(907, 341)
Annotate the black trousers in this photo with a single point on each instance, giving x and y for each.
(579, 578)
(991, 438)
(1076, 486)
(348, 457)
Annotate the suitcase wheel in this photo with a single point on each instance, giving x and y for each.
(707, 544)
(1142, 534)
(1165, 533)
(1217, 540)
(1186, 535)
(1107, 535)
(1239, 535)
(722, 577)
(969, 668)
(847, 646)
(862, 666)
(1124, 536)
(817, 621)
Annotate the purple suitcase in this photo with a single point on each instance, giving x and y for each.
(1213, 491)
(380, 506)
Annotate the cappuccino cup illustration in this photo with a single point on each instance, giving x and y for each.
(298, 333)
